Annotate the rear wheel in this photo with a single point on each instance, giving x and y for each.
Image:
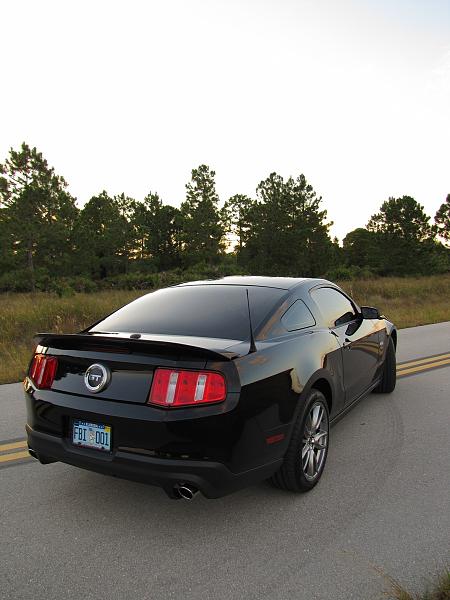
(389, 377)
(306, 455)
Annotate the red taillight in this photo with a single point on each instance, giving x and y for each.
(43, 370)
(172, 388)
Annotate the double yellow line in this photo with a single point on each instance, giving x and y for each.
(423, 364)
(13, 451)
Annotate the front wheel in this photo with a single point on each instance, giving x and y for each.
(307, 452)
(389, 377)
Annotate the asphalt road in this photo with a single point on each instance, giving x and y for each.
(383, 504)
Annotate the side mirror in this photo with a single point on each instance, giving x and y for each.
(369, 312)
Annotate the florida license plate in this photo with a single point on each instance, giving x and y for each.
(91, 435)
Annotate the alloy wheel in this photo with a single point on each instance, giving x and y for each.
(315, 441)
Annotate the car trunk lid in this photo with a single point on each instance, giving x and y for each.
(130, 363)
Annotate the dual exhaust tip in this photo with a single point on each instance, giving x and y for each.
(185, 491)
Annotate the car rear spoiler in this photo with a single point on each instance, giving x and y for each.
(85, 341)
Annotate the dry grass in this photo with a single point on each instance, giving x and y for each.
(23, 315)
(436, 590)
(407, 302)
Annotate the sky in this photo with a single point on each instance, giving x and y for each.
(130, 96)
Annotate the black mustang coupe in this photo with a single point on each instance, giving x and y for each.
(209, 385)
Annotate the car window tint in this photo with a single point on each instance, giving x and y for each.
(218, 311)
(336, 308)
(297, 316)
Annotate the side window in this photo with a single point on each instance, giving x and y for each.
(334, 306)
(297, 316)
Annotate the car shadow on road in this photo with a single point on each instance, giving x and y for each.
(362, 450)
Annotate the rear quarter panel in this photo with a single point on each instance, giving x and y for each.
(276, 379)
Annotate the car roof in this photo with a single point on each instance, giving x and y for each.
(284, 283)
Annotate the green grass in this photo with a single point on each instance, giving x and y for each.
(407, 302)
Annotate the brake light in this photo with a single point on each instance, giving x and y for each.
(173, 388)
(43, 370)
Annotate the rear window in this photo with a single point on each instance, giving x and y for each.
(217, 311)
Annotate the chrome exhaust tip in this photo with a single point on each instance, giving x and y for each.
(32, 453)
(186, 491)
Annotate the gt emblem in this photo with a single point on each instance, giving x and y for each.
(97, 378)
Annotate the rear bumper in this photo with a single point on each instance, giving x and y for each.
(213, 479)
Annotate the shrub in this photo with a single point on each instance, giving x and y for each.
(15, 281)
(344, 273)
(128, 281)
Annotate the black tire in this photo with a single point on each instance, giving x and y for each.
(291, 475)
(389, 377)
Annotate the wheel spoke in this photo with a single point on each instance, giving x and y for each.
(317, 414)
(308, 426)
(318, 445)
(320, 440)
(318, 461)
(305, 460)
(311, 463)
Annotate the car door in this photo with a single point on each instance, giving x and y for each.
(358, 338)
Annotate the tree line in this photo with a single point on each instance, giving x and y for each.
(117, 240)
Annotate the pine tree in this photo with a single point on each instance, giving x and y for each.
(289, 233)
(404, 236)
(102, 236)
(157, 227)
(236, 219)
(442, 219)
(203, 231)
(362, 249)
(38, 213)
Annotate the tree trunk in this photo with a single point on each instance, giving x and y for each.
(31, 265)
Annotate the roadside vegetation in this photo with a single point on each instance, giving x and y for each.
(437, 590)
(63, 266)
(48, 242)
(407, 301)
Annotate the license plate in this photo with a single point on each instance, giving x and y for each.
(91, 435)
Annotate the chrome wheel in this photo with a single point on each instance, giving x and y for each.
(315, 441)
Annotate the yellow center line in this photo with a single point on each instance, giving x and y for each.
(13, 445)
(422, 361)
(419, 368)
(14, 456)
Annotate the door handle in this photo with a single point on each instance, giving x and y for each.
(347, 344)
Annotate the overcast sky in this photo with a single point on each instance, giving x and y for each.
(130, 96)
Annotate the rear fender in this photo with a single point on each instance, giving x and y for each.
(320, 375)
